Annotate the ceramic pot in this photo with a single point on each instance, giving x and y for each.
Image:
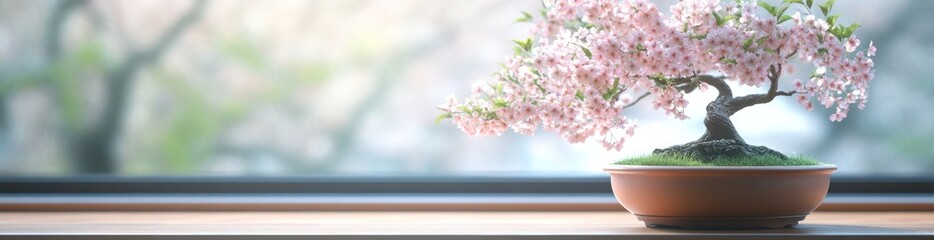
(720, 197)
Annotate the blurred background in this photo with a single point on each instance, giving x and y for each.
(284, 88)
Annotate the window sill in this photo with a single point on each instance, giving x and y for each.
(433, 225)
(396, 202)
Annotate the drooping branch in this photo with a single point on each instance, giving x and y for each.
(774, 74)
(634, 102)
(683, 84)
(725, 93)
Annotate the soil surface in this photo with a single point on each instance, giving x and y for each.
(710, 150)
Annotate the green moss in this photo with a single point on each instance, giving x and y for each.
(680, 160)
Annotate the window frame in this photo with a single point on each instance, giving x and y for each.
(390, 185)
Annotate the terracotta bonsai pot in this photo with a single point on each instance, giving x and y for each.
(720, 197)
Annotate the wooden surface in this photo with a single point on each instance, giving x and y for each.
(396, 202)
(433, 225)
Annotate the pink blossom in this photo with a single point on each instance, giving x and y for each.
(634, 48)
(852, 43)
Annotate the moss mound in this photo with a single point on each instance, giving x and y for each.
(681, 160)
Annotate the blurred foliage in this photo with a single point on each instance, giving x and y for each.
(67, 79)
(243, 51)
(338, 87)
(186, 138)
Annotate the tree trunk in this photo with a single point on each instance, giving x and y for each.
(94, 155)
(717, 121)
(93, 148)
(721, 138)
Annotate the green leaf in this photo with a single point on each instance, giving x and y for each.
(768, 7)
(835, 31)
(639, 47)
(498, 87)
(718, 19)
(587, 52)
(723, 19)
(781, 12)
(526, 17)
(832, 19)
(810, 3)
(843, 32)
(579, 95)
(660, 80)
(609, 94)
(783, 18)
(728, 60)
(748, 43)
(442, 117)
(806, 5)
(850, 30)
(761, 40)
(821, 51)
(730, 17)
(489, 115)
(540, 88)
(612, 92)
(500, 103)
(535, 71)
(512, 79)
(826, 7)
(525, 45)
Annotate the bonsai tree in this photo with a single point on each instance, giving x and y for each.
(590, 60)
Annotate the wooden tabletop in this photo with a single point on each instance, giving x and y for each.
(433, 225)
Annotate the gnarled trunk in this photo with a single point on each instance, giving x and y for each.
(721, 137)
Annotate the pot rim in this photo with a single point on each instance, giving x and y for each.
(614, 167)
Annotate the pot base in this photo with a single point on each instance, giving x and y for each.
(720, 223)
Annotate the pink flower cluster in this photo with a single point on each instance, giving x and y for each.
(840, 80)
(591, 57)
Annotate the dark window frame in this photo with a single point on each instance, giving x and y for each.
(389, 185)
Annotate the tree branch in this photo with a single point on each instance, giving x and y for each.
(95, 146)
(637, 100)
(54, 28)
(725, 92)
(172, 34)
(774, 74)
(686, 85)
(120, 80)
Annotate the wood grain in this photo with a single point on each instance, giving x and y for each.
(432, 225)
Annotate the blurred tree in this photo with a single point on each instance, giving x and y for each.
(92, 147)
